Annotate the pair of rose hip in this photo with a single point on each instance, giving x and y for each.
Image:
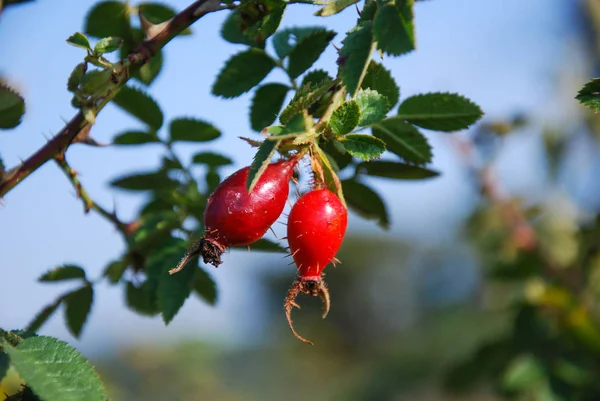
(315, 229)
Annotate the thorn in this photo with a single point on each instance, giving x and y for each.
(249, 248)
(358, 10)
(337, 49)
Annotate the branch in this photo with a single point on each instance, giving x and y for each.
(88, 202)
(160, 37)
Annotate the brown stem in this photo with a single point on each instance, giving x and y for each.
(136, 59)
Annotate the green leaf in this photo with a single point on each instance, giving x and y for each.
(345, 118)
(140, 105)
(108, 18)
(135, 138)
(94, 80)
(404, 140)
(307, 51)
(157, 13)
(373, 106)
(145, 182)
(232, 32)
(440, 111)
(380, 80)
(77, 308)
(395, 170)
(76, 76)
(333, 7)
(368, 11)
(315, 77)
(172, 290)
(285, 40)
(261, 160)
(261, 18)
(4, 365)
(242, 72)
(211, 159)
(108, 45)
(266, 105)
(43, 316)
(212, 179)
(366, 147)
(115, 270)
(366, 202)
(589, 95)
(522, 373)
(78, 39)
(192, 130)
(394, 34)
(64, 272)
(12, 107)
(141, 299)
(55, 371)
(355, 55)
(205, 287)
(304, 98)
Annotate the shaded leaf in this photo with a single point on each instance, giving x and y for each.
(380, 80)
(76, 76)
(355, 55)
(115, 270)
(307, 51)
(242, 72)
(366, 202)
(261, 18)
(285, 40)
(140, 105)
(205, 287)
(134, 138)
(157, 13)
(108, 18)
(589, 95)
(345, 118)
(333, 7)
(149, 71)
(77, 308)
(192, 130)
(232, 31)
(141, 299)
(523, 372)
(4, 364)
(366, 147)
(78, 39)
(261, 160)
(212, 179)
(144, 182)
(64, 272)
(404, 140)
(396, 170)
(211, 159)
(304, 98)
(337, 152)
(55, 371)
(372, 105)
(315, 77)
(108, 45)
(12, 107)
(43, 316)
(393, 33)
(266, 105)
(440, 111)
(94, 80)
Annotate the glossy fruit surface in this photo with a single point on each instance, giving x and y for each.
(234, 217)
(316, 228)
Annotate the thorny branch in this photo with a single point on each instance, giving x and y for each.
(159, 37)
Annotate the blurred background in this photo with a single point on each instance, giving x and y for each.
(453, 291)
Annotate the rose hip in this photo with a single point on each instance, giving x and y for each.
(234, 217)
(316, 227)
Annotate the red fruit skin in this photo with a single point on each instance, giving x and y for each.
(234, 217)
(316, 228)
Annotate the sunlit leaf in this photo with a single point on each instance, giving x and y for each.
(404, 140)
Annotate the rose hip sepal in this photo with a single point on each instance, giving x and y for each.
(316, 227)
(234, 217)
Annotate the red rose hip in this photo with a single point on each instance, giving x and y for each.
(234, 217)
(316, 228)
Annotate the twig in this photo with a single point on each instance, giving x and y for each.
(88, 202)
(136, 59)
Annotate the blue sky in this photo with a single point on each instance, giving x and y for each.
(499, 53)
